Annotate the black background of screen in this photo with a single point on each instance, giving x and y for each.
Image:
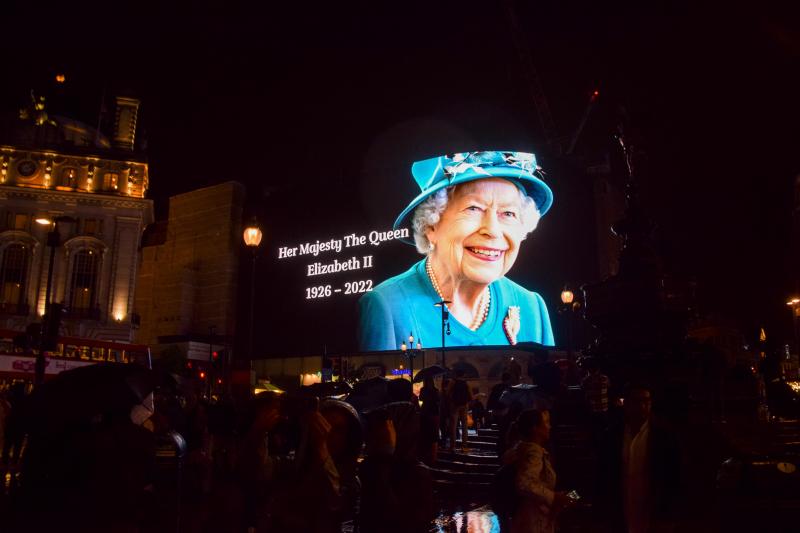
(562, 248)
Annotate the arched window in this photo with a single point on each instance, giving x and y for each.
(83, 284)
(13, 273)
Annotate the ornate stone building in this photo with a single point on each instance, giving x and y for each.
(92, 189)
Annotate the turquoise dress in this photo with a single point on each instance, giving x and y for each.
(403, 305)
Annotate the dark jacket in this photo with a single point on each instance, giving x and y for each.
(664, 464)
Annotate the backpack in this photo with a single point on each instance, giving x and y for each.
(460, 393)
(505, 498)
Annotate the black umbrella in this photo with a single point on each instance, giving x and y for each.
(84, 393)
(525, 395)
(328, 388)
(369, 393)
(432, 371)
(406, 420)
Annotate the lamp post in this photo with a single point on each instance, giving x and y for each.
(568, 305)
(412, 353)
(53, 241)
(252, 238)
(793, 304)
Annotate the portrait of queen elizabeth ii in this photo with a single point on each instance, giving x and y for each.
(469, 222)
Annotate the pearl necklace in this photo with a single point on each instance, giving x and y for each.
(481, 311)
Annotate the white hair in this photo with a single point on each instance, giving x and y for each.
(429, 212)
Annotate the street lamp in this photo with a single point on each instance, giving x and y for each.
(252, 238)
(569, 305)
(411, 352)
(793, 303)
(53, 241)
(567, 296)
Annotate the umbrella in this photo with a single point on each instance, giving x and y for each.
(525, 395)
(328, 388)
(432, 371)
(369, 393)
(406, 420)
(81, 394)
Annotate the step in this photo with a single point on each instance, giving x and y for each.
(446, 464)
(483, 440)
(453, 486)
(461, 477)
(474, 456)
(478, 445)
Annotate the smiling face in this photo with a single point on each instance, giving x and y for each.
(480, 230)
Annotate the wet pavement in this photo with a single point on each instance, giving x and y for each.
(478, 520)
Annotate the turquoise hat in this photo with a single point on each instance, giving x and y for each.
(449, 170)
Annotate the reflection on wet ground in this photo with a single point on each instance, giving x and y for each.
(478, 520)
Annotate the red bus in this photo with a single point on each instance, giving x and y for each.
(17, 363)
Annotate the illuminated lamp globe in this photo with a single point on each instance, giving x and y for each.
(44, 221)
(252, 236)
(567, 296)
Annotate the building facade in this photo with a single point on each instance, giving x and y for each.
(88, 195)
(187, 283)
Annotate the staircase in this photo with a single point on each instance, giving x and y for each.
(458, 474)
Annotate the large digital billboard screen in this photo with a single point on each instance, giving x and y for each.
(361, 266)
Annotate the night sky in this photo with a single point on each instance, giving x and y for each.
(286, 99)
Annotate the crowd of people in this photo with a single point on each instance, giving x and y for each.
(300, 463)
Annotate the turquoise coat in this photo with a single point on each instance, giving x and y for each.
(403, 305)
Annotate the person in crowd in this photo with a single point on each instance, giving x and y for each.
(459, 397)
(401, 390)
(546, 376)
(5, 410)
(473, 213)
(397, 493)
(198, 468)
(595, 389)
(345, 442)
(595, 392)
(13, 430)
(508, 433)
(444, 413)
(429, 434)
(301, 492)
(109, 461)
(639, 483)
(515, 369)
(493, 404)
(539, 503)
(477, 410)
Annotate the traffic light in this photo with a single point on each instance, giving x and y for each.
(218, 358)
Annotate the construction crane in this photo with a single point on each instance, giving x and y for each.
(553, 140)
(532, 78)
